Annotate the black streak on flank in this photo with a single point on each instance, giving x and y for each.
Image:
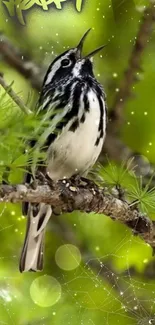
(74, 126)
(64, 96)
(86, 102)
(73, 112)
(82, 120)
(101, 116)
(75, 104)
(97, 141)
(100, 129)
(50, 139)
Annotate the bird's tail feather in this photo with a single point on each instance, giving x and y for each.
(32, 252)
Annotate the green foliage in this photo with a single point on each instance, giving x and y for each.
(115, 176)
(114, 283)
(17, 130)
(144, 196)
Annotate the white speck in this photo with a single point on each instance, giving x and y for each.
(97, 248)
(132, 113)
(117, 90)
(150, 143)
(12, 213)
(145, 113)
(115, 75)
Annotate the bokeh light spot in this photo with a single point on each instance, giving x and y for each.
(45, 291)
(68, 257)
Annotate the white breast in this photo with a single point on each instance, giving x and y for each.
(75, 152)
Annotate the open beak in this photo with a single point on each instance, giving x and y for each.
(95, 51)
(80, 47)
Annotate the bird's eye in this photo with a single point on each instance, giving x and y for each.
(65, 62)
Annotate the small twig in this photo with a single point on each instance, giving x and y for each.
(20, 62)
(68, 196)
(13, 95)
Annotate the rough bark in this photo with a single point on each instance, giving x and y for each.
(83, 195)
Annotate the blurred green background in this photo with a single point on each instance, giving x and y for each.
(112, 280)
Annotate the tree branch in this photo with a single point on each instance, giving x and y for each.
(114, 147)
(83, 195)
(130, 75)
(20, 62)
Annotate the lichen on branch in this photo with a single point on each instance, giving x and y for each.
(83, 195)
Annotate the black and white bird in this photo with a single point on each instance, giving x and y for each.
(71, 87)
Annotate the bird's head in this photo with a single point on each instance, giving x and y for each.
(71, 64)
